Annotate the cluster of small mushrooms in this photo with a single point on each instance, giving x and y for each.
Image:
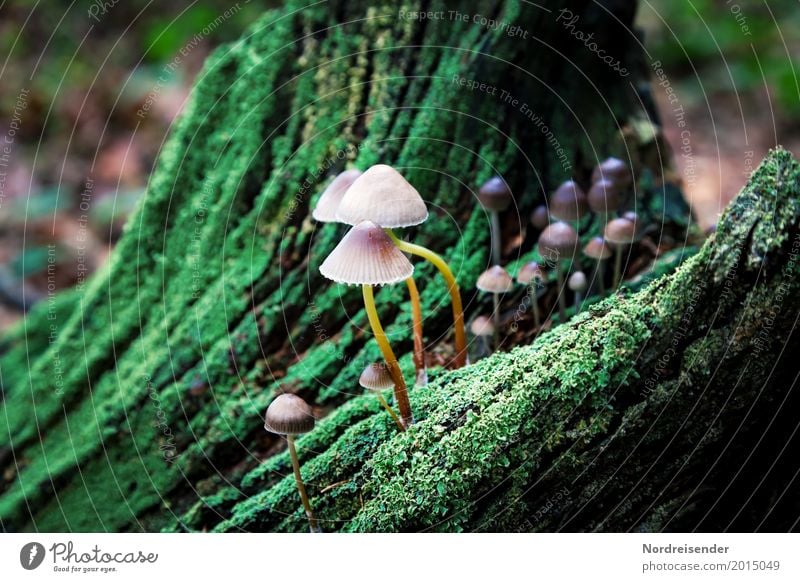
(379, 200)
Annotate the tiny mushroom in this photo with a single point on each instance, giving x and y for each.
(290, 415)
(328, 203)
(495, 196)
(615, 170)
(568, 202)
(603, 198)
(578, 285)
(376, 378)
(620, 232)
(599, 250)
(559, 243)
(482, 327)
(540, 217)
(496, 281)
(366, 256)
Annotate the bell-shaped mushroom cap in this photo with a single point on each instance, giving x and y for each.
(384, 197)
(598, 249)
(613, 169)
(328, 203)
(558, 239)
(577, 282)
(495, 194)
(482, 326)
(529, 272)
(620, 231)
(603, 197)
(289, 414)
(366, 256)
(540, 218)
(376, 377)
(568, 202)
(495, 280)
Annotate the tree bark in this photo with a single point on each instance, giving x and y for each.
(135, 402)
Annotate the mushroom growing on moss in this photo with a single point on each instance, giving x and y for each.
(325, 211)
(603, 199)
(384, 197)
(578, 284)
(540, 218)
(366, 256)
(568, 203)
(620, 232)
(559, 242)
(376, 378)
(482, 327)
(599, 250)
(495, 196)
(615, 170)
(496, 281)
(289, 415)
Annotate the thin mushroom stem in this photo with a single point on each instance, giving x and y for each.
(312, 520)
(416, 318)
(537, 321)
(617, 266)
(578, 302)
(562, 296)
(452, 286)
(598, 273)
(400, 390)
(497, 248)
(391, 412)
(496, 319)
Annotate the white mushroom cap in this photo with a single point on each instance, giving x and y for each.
(376, 377)
(328, 203)
(577, 282)
(482, 326)
(366, 256)
(495, 280)
(384, 197)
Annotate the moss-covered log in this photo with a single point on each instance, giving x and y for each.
(135, 402)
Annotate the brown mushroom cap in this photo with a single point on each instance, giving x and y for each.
(328, 203)
(495, 194)
(482, 326)
(540, 218)
(568, 202)
(577, 282)
(366, 256)
(598, 249)
(376, 377)
(613, 169)
(384, 197)
(560, 239)
(620, 231)
(529, 272)
(289, 414)
(603, 197)
(495, 280)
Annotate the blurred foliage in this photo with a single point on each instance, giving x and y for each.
(728, 45)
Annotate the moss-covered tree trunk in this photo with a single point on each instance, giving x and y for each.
(135, 402)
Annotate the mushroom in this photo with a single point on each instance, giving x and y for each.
(615, 170)
(366, 256)
(325, 210)
(568, 203)
(559, 240)
(376, 378)
(540, 218)
(496, 281)
(599, 250)
(577, 283)
(620, 232)
(289, 415)
(532, 273)
(483, 327)
(603, 199)
(383, 196)
(495, 196)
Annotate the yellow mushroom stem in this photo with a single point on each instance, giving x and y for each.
(452, 286)
(400, 390)
(391, 412)
(416, 318)
(312, 520)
